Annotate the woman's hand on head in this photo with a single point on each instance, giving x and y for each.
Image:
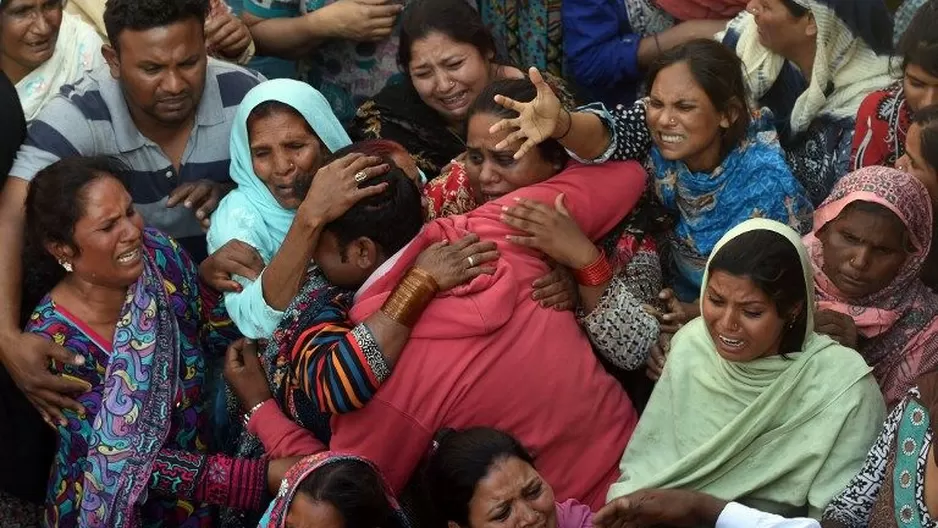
(550, 230)
(27, 357)
(840, 327)
(245, 375)
(452, 264)
(335, 187)
(557, 290)
(539, 120)
(233, 258)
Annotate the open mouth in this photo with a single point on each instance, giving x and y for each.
(456, 101)
(671, 139)
(731, 343)
(129, 257)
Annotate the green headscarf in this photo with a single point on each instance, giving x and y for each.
(779, 433)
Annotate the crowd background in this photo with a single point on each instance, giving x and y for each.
(565, 263)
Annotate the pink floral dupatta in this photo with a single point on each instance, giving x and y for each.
(898, 325)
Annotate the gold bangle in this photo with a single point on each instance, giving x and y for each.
(410, 297)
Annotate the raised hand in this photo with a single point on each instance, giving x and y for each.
(538, 120)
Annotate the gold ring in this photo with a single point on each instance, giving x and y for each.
(361, 176)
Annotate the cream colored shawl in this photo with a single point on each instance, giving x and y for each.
(77, 51)
(782, 433)
(842, 61)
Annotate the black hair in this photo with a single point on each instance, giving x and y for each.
(459, 460)
(454, 18)
(919, 44)
(719, 73)
(390, 219)
(773, 264)
(269, 108)
(55, 201)
(521, 90)
(797, 10)
(141, 15)
(927, 119)
(355, 490)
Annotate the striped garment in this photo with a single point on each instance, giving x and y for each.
(91, 118)
(336, 364)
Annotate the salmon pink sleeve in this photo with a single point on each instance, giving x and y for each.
(597, 196)
(393, 440)
(281, 436)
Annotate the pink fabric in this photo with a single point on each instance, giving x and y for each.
(485, 354)
(899, 324)
(572, 514)
(702, 9)
(281, 436)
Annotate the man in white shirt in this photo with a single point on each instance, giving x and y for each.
(690, 509)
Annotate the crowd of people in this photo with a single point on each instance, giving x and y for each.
(564, 264)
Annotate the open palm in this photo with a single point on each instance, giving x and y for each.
(537, 121)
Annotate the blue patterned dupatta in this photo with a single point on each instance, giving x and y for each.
(141, 383)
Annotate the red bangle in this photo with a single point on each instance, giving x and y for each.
(596, 273)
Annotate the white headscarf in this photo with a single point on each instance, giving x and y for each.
(846, 68)
(77, 51)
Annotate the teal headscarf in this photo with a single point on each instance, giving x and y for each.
(250, 213)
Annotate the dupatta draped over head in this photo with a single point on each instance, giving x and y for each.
(852, 59)
(276, 515)
(250, 213)
(898, 325)
(77, 51)
(749, 442)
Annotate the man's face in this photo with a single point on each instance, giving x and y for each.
(162, 70)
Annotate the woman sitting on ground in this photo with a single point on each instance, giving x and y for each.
(701, 143)
(789, 414)
(448, 57)
(812, 62)
(885, 116)
(870, 240)
(481, 476)
(128, 302)
(43, 49)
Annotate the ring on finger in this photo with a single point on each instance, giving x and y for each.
(361, 176)
(472, 262)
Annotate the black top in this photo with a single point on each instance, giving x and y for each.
(26, 443)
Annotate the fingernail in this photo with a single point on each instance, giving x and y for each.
(505, 207)
(188, 204)
(79, 360)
